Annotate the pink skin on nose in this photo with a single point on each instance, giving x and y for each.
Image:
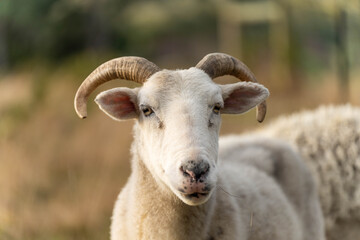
(190, 186)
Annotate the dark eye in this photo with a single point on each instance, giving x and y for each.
(147, 111)
(216, 108)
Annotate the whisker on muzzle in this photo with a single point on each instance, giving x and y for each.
(232, 195)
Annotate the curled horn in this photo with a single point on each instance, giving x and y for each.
(134, 69)
(220, 64)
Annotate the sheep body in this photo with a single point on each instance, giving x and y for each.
(249, 203)
(267, 193)
(282, 163)
(329, 141)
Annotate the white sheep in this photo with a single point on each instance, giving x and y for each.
(179, 188)
(329, 141)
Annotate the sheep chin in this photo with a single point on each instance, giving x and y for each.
(194, 199)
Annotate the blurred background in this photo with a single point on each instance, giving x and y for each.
(59, 175)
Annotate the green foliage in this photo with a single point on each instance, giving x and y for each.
(58, 29)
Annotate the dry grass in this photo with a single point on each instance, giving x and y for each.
(59, 175)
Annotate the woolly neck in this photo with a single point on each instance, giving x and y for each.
(160, 214)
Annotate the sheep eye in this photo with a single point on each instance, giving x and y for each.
(216, 108)
(147, 111)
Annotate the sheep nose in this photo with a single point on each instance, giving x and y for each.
(195, 169)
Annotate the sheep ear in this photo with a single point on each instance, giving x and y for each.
(119, 103)
(242, 96)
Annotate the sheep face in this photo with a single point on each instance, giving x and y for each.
(178, 125)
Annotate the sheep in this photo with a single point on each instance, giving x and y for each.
(179, 188)
(329, 141)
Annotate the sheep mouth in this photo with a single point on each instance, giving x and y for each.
(196, 195)
(195, 198)
(193, 194)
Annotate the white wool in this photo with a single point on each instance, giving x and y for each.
(329, 140)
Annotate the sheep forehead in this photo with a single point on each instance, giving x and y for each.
(191, 84)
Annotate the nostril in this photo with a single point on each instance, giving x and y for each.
(194, 169)
(190, 173)
(185, 171)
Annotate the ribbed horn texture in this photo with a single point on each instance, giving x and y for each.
(134, 69)
(220, 64)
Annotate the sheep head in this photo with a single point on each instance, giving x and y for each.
(178, 115)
